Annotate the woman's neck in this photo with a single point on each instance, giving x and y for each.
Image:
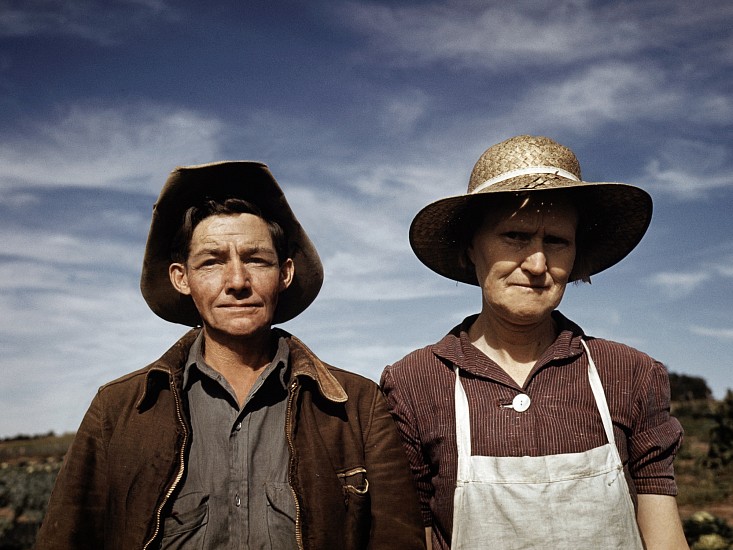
(515, 348)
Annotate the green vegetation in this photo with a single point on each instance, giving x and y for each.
(704, 466)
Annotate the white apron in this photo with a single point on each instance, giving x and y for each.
(573, 500)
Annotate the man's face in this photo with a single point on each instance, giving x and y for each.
(233, 275)
(523, 262)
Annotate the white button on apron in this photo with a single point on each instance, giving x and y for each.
(521, 402)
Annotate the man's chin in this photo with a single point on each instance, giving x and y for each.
(241, 328)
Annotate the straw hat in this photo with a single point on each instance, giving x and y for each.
(190, 185)
(613, 216)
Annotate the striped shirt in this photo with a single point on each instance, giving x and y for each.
(562, 418)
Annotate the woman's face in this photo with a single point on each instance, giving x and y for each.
(523, 258)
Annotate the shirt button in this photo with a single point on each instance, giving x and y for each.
(238, 427)
(521, 402)
(237, 501)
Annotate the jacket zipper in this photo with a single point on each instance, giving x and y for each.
(182, 466)
(291, 446)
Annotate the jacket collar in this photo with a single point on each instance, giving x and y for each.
(303, 362)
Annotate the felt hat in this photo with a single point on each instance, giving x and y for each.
(613, 217)
(191, 185)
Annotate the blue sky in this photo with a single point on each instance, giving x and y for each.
(365, 112)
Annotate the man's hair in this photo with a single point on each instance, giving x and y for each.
(194, 215)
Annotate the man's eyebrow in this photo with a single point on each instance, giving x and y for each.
(214, 249)
(208, 249)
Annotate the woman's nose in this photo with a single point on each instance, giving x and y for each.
(535, 262)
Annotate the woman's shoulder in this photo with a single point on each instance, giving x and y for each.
(618, 351)
(427, 355)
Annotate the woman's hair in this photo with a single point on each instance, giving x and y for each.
(497, 206)
(210, 207)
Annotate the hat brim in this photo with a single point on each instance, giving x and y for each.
(613, 218)
(247, 180)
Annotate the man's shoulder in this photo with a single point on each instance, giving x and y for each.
(164, 367)
(134, 378)
(349, 378)
(344, 376)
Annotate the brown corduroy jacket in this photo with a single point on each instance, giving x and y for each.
(348, 472)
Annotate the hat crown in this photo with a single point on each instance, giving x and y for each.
(522, 152)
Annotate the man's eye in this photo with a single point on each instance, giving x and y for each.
(256, 260)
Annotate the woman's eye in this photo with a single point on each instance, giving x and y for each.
(516, 236)
(550, 239)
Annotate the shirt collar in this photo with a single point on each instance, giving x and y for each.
(457, 348)
(280, 361)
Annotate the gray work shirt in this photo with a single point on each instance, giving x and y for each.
(235, 492)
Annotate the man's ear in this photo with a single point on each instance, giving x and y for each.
(179, 278)
(287, 272)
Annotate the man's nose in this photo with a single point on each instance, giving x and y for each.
(238, 277)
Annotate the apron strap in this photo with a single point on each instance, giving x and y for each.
(463, 429)
(600, 395)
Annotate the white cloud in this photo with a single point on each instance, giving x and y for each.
(585, 63)
(50, 250)
(363, 243)
(725, 267)
(597, 94)
(375, 276)
(127, 147)
(402, 113)
(678, 285)
(102, 23)
(725, 334)
(689, 169)
(487, 34)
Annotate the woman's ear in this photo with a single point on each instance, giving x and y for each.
(179, 278)
(465, 258)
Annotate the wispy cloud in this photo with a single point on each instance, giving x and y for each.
(690, 169)
(102, 23)
(481, 34)
(104, 146)
(682, 284)
(368, 257)
(596, 95)
(487, 35)
(725, 334)
(34, 249)
(679, 285)
(401, 114)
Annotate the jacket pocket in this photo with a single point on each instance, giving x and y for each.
(357, 500)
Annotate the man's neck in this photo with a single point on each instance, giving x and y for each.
(239, 360)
